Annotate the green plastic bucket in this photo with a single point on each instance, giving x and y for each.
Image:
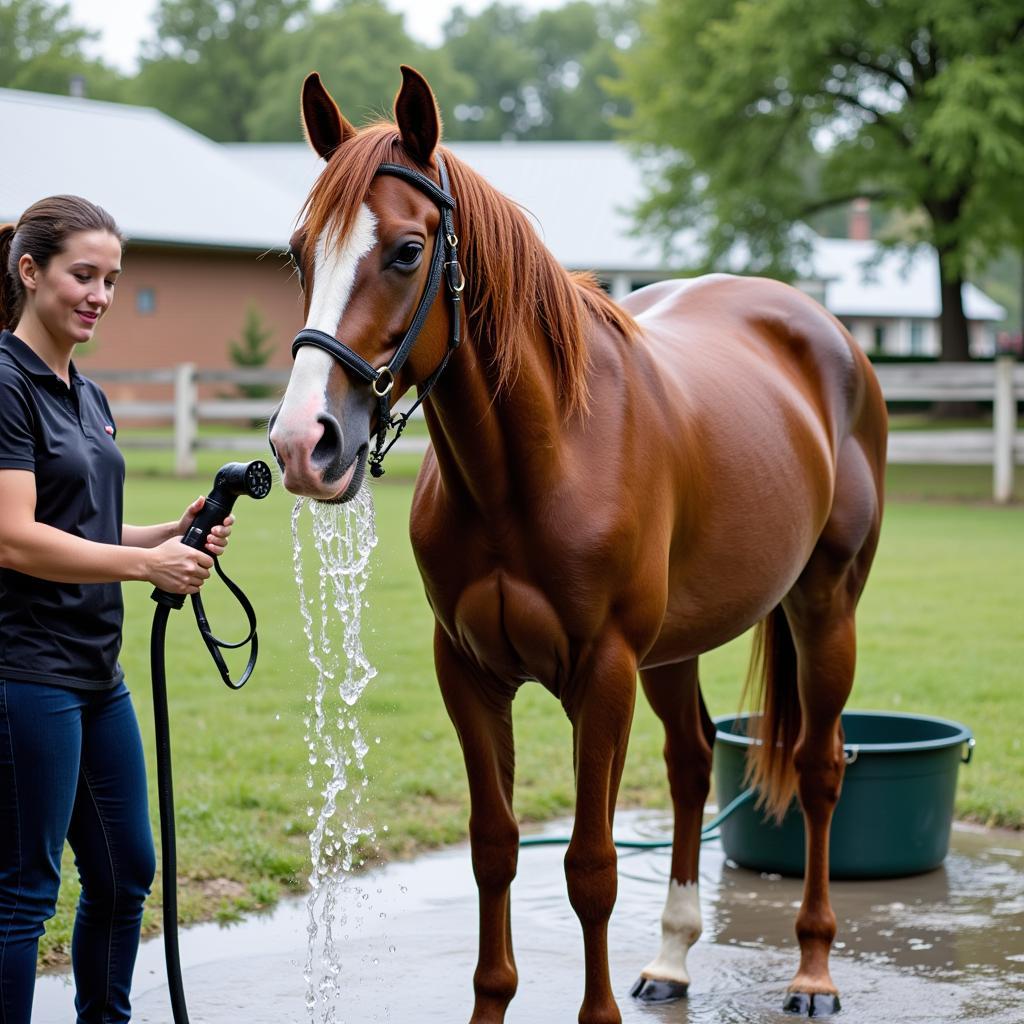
(895, 811)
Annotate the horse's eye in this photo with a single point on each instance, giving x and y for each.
(408, 255)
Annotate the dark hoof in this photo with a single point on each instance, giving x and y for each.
(653, 990)
(816, 1004)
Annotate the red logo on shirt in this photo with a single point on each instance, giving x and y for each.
(109, 429)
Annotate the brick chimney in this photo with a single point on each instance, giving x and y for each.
(859, 225)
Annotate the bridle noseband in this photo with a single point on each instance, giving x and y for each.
(444, 263)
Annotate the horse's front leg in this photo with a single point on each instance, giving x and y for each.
(600, 705)
(674, 694)
(482, 716)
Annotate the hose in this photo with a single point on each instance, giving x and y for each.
(164, 778)
(707, 833)
(165, 789)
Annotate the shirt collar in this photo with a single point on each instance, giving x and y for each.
(27, 359)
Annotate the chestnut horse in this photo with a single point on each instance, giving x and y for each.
(611, 490)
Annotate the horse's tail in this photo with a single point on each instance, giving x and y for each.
(771, 681)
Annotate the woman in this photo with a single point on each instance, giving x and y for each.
(71, 762)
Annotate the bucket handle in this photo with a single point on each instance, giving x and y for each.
(965, 757)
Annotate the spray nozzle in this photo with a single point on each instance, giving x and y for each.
(238, 478)
(231, 482)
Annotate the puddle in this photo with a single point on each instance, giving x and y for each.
(938, 948)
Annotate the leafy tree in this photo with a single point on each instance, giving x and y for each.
(357, 48)
(578, 46)
(40, 50)
(210, 59)
(768, 112)
(541, 76)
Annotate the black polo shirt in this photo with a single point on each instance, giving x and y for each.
(67, 634)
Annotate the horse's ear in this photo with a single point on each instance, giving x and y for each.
(417, 116)
(325, 125)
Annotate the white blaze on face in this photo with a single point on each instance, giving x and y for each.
(334, 273)
(680, 928)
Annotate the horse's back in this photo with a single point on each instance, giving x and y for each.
(701, 329)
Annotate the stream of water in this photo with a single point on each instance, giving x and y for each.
(343, 539)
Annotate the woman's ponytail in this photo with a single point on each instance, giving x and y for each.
(10, 285)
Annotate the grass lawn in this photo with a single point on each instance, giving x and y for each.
(940, 633)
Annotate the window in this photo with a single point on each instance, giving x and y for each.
(145, 301)
(916, 338)
(879, 338)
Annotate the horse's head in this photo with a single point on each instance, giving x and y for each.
(371, 253)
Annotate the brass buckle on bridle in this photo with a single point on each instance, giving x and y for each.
(385, 371)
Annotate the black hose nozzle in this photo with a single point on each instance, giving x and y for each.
(231, 482)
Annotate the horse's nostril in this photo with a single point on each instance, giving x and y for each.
(328, 448)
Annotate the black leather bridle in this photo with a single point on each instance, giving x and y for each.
(444, 263)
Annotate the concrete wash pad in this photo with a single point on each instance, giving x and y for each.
(941, 947)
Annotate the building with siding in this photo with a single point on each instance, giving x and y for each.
(206, 237)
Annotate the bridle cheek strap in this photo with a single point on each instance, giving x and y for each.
(444, 265)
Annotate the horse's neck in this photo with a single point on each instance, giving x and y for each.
(488, 444)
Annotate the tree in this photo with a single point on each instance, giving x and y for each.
(769, 112)
(252, 351)
(541, 76)
(209, 60)
(40, 50)
(357, 48)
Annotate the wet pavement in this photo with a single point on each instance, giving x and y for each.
(943, 947)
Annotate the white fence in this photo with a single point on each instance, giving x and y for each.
(1000, 382)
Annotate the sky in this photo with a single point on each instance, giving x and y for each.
(124, 23)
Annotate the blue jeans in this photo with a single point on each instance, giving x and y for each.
(71, 765)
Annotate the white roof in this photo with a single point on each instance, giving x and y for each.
(161, 181)
(579, 194)
(862, 280)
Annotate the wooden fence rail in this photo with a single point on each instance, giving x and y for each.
(1000, 382)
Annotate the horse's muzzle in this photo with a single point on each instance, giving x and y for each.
(312, 457)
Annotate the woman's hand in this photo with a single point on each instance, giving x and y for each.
(217, 540)
(177, 568)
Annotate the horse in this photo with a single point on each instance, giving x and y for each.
(611, 490)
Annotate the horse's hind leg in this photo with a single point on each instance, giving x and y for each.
(674, 694)
(483, 721)
(820, 611)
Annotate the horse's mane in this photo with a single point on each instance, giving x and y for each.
(512, 281)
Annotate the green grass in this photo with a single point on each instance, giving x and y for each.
(939, 626)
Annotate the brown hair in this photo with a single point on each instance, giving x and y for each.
(511, 278)
(42, 232)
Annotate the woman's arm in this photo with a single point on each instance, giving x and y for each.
(151, 536)
(43, 551)
(148, 536)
